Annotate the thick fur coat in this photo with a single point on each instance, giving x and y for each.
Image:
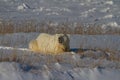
(50, 44)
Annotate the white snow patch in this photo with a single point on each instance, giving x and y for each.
(46, 73)
(52, 13)
(92, 10)
(12, 48)
(109, 2)
(65, 9)
(85, 13)
(108, 16)
(48, 9)
(40, 9)
(88, 11)
(82, 4)
(112, 24)
(73, 53)
(58, 66)
(74, 57)
(105, 9)
(53, 24)
(22, 7)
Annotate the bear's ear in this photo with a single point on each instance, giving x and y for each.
(68, 35)
(61, 39)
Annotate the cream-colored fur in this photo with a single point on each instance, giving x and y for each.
(33, 46)
(50, 44)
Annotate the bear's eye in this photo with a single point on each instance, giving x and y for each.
(61, 39)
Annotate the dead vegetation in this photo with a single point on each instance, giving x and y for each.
(107, 54)
(52, 27)
(88, 58)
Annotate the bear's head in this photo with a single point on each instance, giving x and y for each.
(64, 40)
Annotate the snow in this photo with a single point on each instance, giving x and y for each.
(84, 11)
(11, 41)
(58, 66)
(12, 71)
(109, 2)
(12, 48)
(22, 7)
(22, 64)
(105, 9)
(113, 24)
(108, 16)
(97, 59)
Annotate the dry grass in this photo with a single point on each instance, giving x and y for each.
(89, 59)
(107, 54)
(51, 27)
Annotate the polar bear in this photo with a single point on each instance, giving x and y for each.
(33, 45)
(50, 44)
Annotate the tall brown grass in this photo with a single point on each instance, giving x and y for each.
(52, 27)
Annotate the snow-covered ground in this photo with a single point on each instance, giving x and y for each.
(97, 59)
(19, 63)
(15, 71)
(102, 12)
